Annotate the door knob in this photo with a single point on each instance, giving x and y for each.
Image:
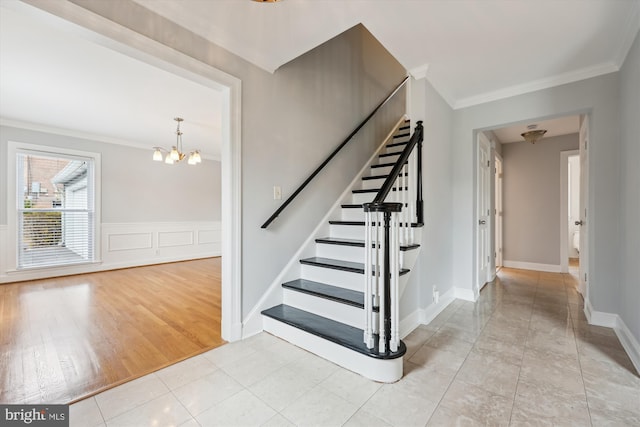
(578, 223)
(482, 222)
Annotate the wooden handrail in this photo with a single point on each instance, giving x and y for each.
(332, 155)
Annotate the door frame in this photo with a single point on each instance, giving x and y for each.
(482, 279)
(564, 209)
(584, 137)
(498, 207)
(126, 41)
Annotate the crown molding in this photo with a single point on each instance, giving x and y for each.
(36, 127)
(419, 72)
(546, 83)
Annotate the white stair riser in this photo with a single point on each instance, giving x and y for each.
(342, 279)
(397, 148)
(333, 310)
(380, 171)
(346, 253)
(347, 231)
(381, 370)
(389, 159)
(372, 183)
(352, 214)
(358, 198)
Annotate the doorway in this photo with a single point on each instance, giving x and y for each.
(570, 210)
(128, 42)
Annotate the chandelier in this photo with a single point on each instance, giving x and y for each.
(176, 154)
(533, 134)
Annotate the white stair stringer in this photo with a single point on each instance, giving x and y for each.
(381, 370)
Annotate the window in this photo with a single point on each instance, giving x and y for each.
(55, 208)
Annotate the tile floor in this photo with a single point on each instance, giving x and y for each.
(523, 354)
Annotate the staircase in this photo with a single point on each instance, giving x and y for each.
(324, 310)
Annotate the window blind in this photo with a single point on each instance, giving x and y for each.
(55, 209)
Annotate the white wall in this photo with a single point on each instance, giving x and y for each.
(531, 200)
(151, 212)
(629, 291)
(598, 97)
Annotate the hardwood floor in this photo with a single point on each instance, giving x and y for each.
(65, 338)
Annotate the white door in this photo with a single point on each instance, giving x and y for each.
(584, 202)
(483, 207)
(498, 211)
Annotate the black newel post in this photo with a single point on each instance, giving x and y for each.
(387, 280)
(419, 204)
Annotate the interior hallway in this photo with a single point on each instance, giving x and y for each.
(523, 354)
(64, 338)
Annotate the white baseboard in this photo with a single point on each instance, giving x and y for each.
(609, 320)
(424, 316)
(549, 268)
(125, 245)
(464, 294)
(629, 342)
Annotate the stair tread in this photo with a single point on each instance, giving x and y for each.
(370, 177)
(397, 153)
(334, 293)
(357, 243)
(336, 332)
(402, 135)
(384, 165)
(338, 264)
(397, 144)
(374, 190)
(339, 222)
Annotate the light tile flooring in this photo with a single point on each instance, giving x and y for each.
(523, 354)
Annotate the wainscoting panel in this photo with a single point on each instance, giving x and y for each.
(175, 238)
(169, 242)
(130, 241)
(129, 245)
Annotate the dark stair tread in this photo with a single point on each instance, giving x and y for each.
(374, 190)
(404, 127)
(397, 144)
(330, 292)
(359, 206)
(357, 243)
(402, 135)
(336, 332)
(338, 264)
(397, 153)
(384, 165)
(370, 177)
(338, 222)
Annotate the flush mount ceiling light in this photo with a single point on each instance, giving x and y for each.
(266, 1)
(176, 154)
(533, 134)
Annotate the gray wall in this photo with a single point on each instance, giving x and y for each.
(134, 187)
(597, 96)
(531, 199)
(291, 120)
(629, 293)
(434, 264)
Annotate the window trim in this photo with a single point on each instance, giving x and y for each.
(13, 148)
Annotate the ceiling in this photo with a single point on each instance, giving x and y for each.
(554, 127)
(471, 51)
(51, 77)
